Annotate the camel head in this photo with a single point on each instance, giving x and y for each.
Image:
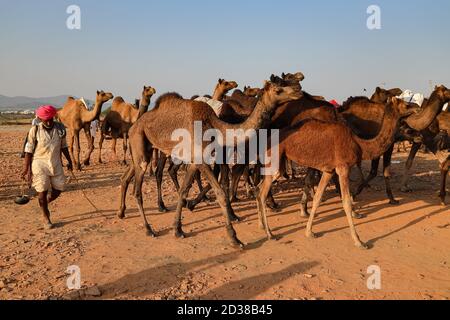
(442, 92)
(404, 108)
(288, 80)
(103, 97)
(276, 94)
(382, 95)
(297, 77)
(225, 86)
(148, 92)
(251, 92)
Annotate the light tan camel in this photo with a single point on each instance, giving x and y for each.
(330, 147)
(75, 116)
(155, 130)
(120, 119)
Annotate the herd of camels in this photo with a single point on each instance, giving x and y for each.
(314, 134)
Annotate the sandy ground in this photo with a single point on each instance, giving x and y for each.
(410, 243)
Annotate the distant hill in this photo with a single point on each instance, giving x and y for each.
(27, 103)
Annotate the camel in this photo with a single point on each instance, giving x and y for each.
(252, 92)
(330, 147)
(121, 118)
(155, 129)
(365, 116)
(221, 89)
(75, 116)
(436, 139)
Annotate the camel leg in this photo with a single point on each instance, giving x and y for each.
(248, 183)
(77, 150)
(347, 203)
(225, 184)
(124, 184)
(412, 155)
(183, 193)
(87, 132)
(159, 177)
(222, 200)
(125, 149)
(236, 173)
(139, 180)
(173, 172)
(326, 177)
(387, 161)
(304, 194)
(71, 143)
(198, 179)
(444, 174)
(373, 174)
(262, 191)
(100, 146)
(113, 147)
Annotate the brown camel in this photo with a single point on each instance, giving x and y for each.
(252, 92)
(155, 129)
(330, 147)
(75, 116)
(364, 117)
(222, 88)
(436, 139)
(120, 119)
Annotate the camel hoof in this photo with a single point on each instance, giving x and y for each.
(49, 226)
(87, 163)
(163, 209)
(363, 246)
(274, 206)
(190, 205)
(238, 244)
(179, 234)
(235, 199)
(311, 235)
(394, 202)
(121, 215)
(150, 233)
(358, 216)
(304, 215)
(235, 218)
(406, 189)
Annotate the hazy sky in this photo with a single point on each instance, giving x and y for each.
(185, 46)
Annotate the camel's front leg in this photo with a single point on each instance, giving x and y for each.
(87, 132)
(77, 150)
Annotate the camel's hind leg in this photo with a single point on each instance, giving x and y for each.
(373, 174)
(444, 174)
(100, 146)
(159, 177)
(125, 183)
(412, 155)
(125, 149)
(387, 161)
(222, 200)
(326, 177)
(183, 193)
(347, 203)
(262, 192)
(77, 150)
(87, 132)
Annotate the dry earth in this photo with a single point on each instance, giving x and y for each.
(117, 261)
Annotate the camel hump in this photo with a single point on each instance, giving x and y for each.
(118, 100)
(166, 97)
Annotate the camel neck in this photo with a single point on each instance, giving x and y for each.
(374, 148)
(425, 118)
(144, 104)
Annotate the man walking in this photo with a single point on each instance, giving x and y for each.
(43, 165)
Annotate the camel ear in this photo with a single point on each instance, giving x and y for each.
(283, 75)
(378, 89)
(272, 78)
(221, 81)
(98, 92)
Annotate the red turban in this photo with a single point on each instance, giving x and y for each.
(46, 113)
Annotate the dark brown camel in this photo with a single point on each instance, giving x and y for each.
(120, 119)
(329, 147)
(155, 130)
(364, 117)
(436, 139)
